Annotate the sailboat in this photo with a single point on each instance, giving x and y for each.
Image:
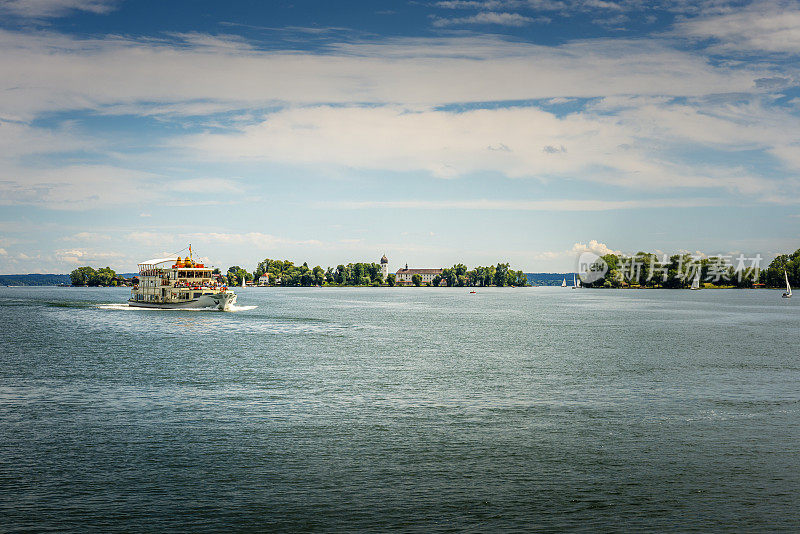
(574, 281)
(564, 283)
(788, 293)
(696, 282)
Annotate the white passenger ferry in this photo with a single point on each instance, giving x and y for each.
(174, 283)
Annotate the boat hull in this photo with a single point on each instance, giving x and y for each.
(219, 301)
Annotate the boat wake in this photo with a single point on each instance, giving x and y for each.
(125, 307)
(235, 308)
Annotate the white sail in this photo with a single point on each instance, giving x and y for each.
(788, 287)
(578, 281)
(564, 283)
(696, 282)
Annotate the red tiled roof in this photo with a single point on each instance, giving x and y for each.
(419, 271)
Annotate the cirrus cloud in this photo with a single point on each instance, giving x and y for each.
(489, 17)
(55, 8)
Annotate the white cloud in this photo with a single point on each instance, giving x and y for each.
(86, 256)
(470, 4)
(560, 257)
(789, 154)
(627, 150)
(489, 17)
(570, 7)
(624, 139)
(19, 139)
(74, 187)
(205, 185)
(55, 8)
(80, 187)
(764, 26)
(595, 246)
(521, 205)
(251, 239)
(602, 4)
(49, 71)
(88, 236)
(256, 239)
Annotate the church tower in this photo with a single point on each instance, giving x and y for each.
(384, 266)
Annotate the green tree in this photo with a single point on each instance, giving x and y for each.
(318, 273)
(87, 276)
(374, 271)
(262, 268)
(501, 274)
(449, 276)
(306, 276)
(236, 274)
(391, 279)
(773, 275)
(341, 274)
(416, 280)
(103, 277)
(488, 275)
(82, 276)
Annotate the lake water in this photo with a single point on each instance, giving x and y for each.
(412, 409)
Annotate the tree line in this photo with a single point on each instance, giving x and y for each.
(497, 275)
(645, 269)
(773, 275)
(642, 269)
(286, 273)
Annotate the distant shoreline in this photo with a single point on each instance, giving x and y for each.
(70, 286)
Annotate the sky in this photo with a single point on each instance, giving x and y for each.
(434, 132)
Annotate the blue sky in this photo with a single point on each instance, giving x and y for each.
(435, 132)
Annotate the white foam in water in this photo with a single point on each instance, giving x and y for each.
(235, 308)
(122, 307)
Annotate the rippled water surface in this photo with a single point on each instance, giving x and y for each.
(407, 409)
